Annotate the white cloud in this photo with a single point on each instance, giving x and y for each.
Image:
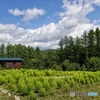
(16, 12)
(32, 13)
(73, 21)
(96, 21)
(27, 14)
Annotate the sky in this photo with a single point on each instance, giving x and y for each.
(42, 23)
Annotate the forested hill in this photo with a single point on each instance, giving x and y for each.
(80, 53)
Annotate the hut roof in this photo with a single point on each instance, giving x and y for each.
(10, 59)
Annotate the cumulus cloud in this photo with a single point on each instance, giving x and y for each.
(96, 21)
(73, 22)
(27, 14)
(16, 12)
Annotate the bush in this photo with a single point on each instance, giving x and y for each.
(59, 83)
(66, 87)
(42, 92)
(91, 81)
(67, 80)
(53, 84)
(82, 80)
(9, 78)
(93, 64)
(48, 72)
(42, 79)
(32, 95)
(88, 81)
(38, 86)
(2, 80)
(65, 65)
(52, 91)
(22, 87)
(72, 82)
(83, 68)
(13, 87)
(71, 67)
(46, 85)
(30, 86)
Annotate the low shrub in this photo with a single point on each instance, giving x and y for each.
(46, 85)
(23, 89)
(82, 80)
(9, 78)
(32, 95)
(66, 87)
(30, 86)
(59, 83)
(52, 91)
(48, 72)
(2, 80)
(42, 79)
(38, 86)
(67, 80)
(42, 92)
(53, 84)
(13, 87)
(72, 82)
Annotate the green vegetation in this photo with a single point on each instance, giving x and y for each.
(80, 53)
(29, 85)
(52, 74)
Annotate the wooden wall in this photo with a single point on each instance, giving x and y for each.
(10, 65)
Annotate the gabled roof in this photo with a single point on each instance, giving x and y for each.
(10, 59)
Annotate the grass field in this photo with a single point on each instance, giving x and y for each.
(48, 84)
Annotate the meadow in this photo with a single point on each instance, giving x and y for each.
(48, 84)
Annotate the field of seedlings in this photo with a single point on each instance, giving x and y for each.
(48, 84)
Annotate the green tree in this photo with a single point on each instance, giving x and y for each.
(84, 49)
(91, 43)
(2, 50)
(97, 39)
(10, 50)
(93, 64)
(61, 51)
(71, 49)
(78, 49)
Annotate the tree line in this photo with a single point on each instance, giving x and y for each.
(84, 50)
(80, 53)
(32, 58)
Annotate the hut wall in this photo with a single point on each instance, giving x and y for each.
(10, 65)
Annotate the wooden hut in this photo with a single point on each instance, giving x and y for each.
(10, 63)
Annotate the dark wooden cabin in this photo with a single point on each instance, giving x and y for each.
(10, 63)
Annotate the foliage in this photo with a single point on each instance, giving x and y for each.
(32, 95)
(79, 50)
(2, 80)
(22, 87)
(65, 65)
(66, 87)
(93, 64)
(42, 84)
(38, 86)
(42, 92)
(52, 91)
(46, 85)
(80, 53)
(59, 83)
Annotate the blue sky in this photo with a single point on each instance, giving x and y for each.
(51, 7)
(43, 22)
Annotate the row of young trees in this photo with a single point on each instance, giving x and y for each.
(73, 53)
